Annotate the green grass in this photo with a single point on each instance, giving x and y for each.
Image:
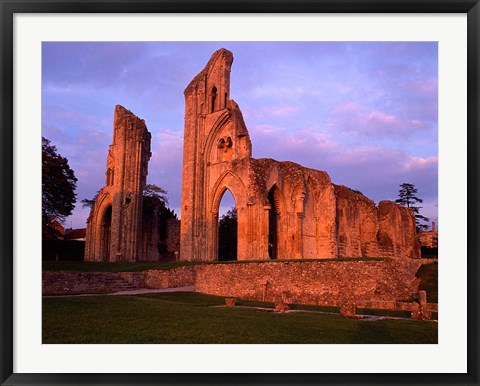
(190, 318)
(81, 266)
(428, 275)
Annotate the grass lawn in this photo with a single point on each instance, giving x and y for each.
(84, 266)
(189, 318)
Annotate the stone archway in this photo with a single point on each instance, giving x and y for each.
(228, 181)
(227, 231)
(105, 234)
(103, 228)
(275, 201)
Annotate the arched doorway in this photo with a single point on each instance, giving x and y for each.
(227, 228)
(273, 223)
(106, 226)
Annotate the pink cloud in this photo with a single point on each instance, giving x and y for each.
(281, 111)
(428, 86)
(353, 118)
(358, 167)
(348, 107)
(419, 163)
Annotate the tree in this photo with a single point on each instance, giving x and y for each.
(227, 236)
(155, 191)
(58, 188)
(86, 203)
(150, 190)
(407, 197)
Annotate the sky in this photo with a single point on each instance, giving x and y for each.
(364, 112)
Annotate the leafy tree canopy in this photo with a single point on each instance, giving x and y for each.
(156, 191)
(87, 203)
(58, 187)
(407, 197)
(151, 190)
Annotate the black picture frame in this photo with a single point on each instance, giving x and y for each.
(9, 8)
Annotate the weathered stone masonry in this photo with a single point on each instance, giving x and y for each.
(115, 224)
(371, 284)
(91, 282)
(316, 282)
(123, 224)
(285, 211)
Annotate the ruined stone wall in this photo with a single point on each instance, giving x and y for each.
(428, 239)
(89, 282)
(171, 278)
(106, 282)
(206, 113)
(160, 234)
(397, 232)
(323, 283)
(150, 229)
(173, 236)
(357, 224)
(284, 210)
(115, 223)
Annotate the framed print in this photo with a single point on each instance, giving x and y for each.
(376, 94)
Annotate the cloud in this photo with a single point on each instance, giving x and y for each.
(279, 111)
(364, 112)
(426, 86)
(269, 91)
(356, 119)
(374, 170)
(165, 167)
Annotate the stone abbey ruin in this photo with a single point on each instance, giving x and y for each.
(123, 224)
(285, 211)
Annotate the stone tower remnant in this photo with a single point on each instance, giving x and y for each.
(284, 210)
(114, 228)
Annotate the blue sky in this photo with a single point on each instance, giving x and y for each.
(367, 113)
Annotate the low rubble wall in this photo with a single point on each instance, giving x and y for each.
(59, 282)
(318, 282)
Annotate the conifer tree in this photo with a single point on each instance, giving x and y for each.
(407, 197)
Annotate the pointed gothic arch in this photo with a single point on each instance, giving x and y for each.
(227, 232)
(102, 217)
(275, 200)
(213, 98)
(227, 181)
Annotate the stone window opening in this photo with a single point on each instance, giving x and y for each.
(213, 96)
(228, 150)
(225, 149)
(110, 175)
(273, 222)
(220, 147)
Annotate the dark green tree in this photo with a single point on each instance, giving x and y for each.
(157, 192)
(227, 236)
(86, 203)
(58, 188)
(150, 190)
(407, 196)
